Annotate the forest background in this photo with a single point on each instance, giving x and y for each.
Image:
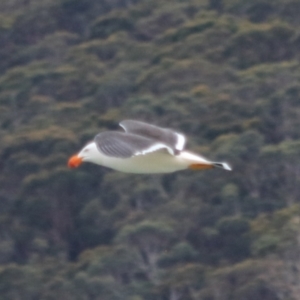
(224, 72)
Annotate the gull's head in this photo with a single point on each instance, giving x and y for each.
(89, 153)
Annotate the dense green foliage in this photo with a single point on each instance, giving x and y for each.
(226, 73)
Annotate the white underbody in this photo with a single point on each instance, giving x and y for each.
(156, 162)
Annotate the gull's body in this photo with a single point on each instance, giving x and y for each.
(142, 148)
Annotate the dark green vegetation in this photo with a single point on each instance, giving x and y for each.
(226, 73)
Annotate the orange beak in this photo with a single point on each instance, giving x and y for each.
(74, 161)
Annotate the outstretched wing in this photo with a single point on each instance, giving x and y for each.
(125, 145)
(172, 139)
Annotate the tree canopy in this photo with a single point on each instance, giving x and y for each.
(224, 72)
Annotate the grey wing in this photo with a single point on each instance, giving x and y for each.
(125, 145)
(173, 139)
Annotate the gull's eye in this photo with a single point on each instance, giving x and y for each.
(86, 150)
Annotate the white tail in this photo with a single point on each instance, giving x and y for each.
(222, 165)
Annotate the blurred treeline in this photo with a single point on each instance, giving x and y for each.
(226, 73)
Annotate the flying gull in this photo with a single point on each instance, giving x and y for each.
(142, 148)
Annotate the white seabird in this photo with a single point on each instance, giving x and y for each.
(143, 148)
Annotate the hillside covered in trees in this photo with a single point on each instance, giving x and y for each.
(226, 73)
